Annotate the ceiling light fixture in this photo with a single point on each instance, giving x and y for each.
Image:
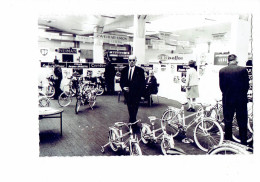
(43, 26)
(209, 19)
(76, 29)
(105, 16)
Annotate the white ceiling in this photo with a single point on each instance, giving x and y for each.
(194, 28)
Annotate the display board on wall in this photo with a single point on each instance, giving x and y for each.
(67, 57)
(221, 58)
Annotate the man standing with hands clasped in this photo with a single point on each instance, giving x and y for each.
(234, 85)
(132, 83)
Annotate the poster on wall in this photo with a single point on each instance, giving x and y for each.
(182, 70)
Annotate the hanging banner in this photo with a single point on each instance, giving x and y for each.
(84, 39)
(112, 39)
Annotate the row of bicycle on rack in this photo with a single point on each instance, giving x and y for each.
(207, 133)
(84, 91)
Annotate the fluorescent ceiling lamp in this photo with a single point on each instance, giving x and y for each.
(43, 26)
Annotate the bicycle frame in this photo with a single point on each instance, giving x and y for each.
(131, 139)
(183, 117)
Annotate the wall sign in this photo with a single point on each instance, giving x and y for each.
(97, 65)
(164, 57)
(77, 65)
(67, 50)
(44, 52)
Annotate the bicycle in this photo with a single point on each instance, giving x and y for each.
(85, 96)
(229, 147)
(216, 112)
(148, 135)
(96, 84)
(50, 90)
(205, 137)
(44, 101)
(117, 139)
(65, 97)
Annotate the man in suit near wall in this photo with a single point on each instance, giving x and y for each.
(234, 85)
(132, 83)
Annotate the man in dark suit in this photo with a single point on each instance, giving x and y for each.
(57, 79)
(132, 83)
(234, 85)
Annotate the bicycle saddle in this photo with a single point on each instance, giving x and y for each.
(183, 102)
(152, 118)
(119, 124)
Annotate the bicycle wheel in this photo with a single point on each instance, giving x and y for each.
(64, 99)
(227, 150)
(165, 145)
(78, 103)
(44, 102)
(235, 130)
(92, 101)
(145, 133)
(100, 90)
(50, 91)
(135, 149)
(170, 122)
(206, 138)
(114, 139)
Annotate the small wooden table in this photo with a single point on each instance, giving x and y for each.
(48, 112)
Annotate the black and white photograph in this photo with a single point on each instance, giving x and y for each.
(113, 92)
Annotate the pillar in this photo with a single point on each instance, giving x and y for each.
(240, 37)
(139, 38)
(98, 52)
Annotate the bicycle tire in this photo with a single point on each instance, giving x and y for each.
(78, 103)
(165, 145)
(170, 122)
(44, 102)
(113, 139)
(135, 149)
(100, 90)
(50, 91)
(235, 130)
(145, 133)
(64, 99)
(92, 101)
(227, 150)
(206, 138)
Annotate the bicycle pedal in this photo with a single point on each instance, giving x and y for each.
(187, 140)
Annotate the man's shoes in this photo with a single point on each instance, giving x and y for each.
(192, 110)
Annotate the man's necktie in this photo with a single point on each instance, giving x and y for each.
(130, 74)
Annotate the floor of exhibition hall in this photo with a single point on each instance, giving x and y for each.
(84, 133)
